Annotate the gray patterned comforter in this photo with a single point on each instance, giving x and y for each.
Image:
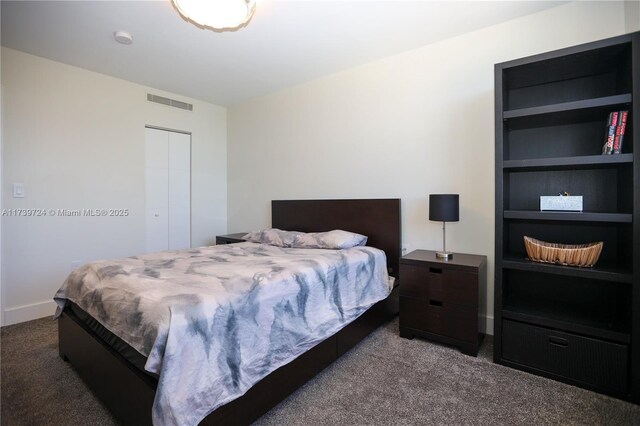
(213, 321)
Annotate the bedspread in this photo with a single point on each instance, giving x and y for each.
(213, 321)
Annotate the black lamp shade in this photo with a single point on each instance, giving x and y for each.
(444, 207)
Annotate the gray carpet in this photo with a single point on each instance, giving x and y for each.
(385, 380)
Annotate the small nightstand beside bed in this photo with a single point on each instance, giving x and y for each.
(225, 343)
(230, 238)
(443, 300)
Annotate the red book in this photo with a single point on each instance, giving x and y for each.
(611, 132)
(622, 125)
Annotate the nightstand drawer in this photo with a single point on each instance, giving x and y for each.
(437, 317)
(591, 361)
(436, 282)
(230, 238)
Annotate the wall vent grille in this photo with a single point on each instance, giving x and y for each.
(169, 102)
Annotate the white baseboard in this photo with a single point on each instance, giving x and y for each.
(29, 312)
(489, 326)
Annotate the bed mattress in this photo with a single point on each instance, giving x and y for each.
(211, 322)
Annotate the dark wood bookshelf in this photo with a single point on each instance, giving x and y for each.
(550, 121)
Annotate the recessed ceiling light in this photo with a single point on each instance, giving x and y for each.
(123, 37)
(217, 15)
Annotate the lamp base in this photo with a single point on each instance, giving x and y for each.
(445, 255)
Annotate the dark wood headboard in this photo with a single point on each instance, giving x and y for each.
(378, 219)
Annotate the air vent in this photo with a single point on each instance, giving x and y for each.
(169, 102)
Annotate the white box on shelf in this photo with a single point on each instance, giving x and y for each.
(568, 203)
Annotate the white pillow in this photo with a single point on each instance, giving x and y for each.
(272, 236)
(336, 239)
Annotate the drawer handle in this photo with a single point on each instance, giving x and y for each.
(435, 270)
(435, 303)
(558, 341)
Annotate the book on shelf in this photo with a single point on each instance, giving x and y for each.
(620, 128)
(610, 133)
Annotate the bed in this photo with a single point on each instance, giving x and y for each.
(120, 382)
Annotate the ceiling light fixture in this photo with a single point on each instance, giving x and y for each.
(216, 14)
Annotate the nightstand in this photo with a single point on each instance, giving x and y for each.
(443, 300)
(230, 238)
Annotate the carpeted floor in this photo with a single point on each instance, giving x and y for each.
(385, 380)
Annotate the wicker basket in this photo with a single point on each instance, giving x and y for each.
(585, 255)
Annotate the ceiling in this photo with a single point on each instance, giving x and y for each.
(286, 42)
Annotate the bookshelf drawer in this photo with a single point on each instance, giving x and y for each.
(589, 361)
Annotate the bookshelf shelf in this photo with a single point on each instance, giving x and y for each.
(607, 102)
(569, 216)
(572, 319)
(567, 163)
(551, 122)
(604, 273)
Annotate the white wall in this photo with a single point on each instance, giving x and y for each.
(75, 138)
(406, 126)
(632, 15)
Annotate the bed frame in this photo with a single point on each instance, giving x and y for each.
(129, 392)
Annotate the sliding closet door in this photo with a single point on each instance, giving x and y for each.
(157, 189)
(179, 191)
(167, 190)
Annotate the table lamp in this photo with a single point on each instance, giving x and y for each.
(444, 208)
